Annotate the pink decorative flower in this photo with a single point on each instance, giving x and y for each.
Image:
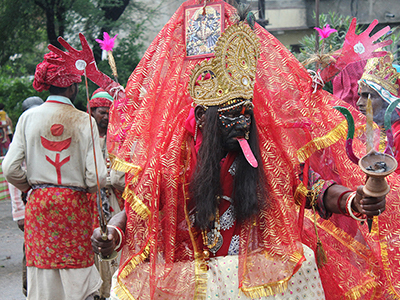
(108, 43)
(325, 32)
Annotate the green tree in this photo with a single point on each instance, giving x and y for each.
(55, 12)
(27, 27)
(21, 28)
(15, 90)
(127, 56)
(394, 35)
(330, 44)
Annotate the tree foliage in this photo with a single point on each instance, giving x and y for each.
(28, 26)
(55, 12)
(394, 35)
(20, 28)
(15, 90)
(329, 45)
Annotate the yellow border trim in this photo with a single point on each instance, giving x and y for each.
(356, 247)
(124, 166)
(319, 143)
(272, 288)
(136, 204)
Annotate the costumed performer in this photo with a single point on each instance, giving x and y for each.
(167, 240)
(112, 201)
(55, 141)
(345, 84)
(381, 83)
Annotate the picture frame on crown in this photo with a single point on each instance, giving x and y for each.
(203, 26)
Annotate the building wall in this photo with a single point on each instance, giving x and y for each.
(283, 15)
(164, 11)
(385, 11)
(291, 20)
(287, 18)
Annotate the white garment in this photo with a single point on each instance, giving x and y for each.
(18, 206)
(62, 284)
(223, 281)
(55, 141)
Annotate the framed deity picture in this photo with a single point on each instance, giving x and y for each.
(203, 27)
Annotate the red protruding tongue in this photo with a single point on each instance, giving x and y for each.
(247, 152)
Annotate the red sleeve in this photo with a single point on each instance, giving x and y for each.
(396, 146)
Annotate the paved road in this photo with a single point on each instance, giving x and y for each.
(11, 240)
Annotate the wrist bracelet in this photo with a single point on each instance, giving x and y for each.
(340, 198)
(350, 210)
(121, 235)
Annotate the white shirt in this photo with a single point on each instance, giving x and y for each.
(55, 141)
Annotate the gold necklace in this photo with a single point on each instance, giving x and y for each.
(214, 235)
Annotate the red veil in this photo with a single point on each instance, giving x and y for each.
(148, 138)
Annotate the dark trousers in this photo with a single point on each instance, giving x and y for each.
(24, 280)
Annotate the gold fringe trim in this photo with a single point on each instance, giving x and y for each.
(295, 257)
(339, 234)
(135, 261)
(301, 191)
(386, 266)
(319, 143)
(200, 266)
(267, 289)
(136, 204)
(122, 292)
(123, 166)
(272, 288)
(358, 291)
(201, 278)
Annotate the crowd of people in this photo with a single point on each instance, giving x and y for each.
(223, 177)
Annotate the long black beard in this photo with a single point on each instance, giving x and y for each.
(249, 183)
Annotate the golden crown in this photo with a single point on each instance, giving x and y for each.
(231, 73)
(381, 71)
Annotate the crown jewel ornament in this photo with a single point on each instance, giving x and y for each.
(381, 71)
(231, 73)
